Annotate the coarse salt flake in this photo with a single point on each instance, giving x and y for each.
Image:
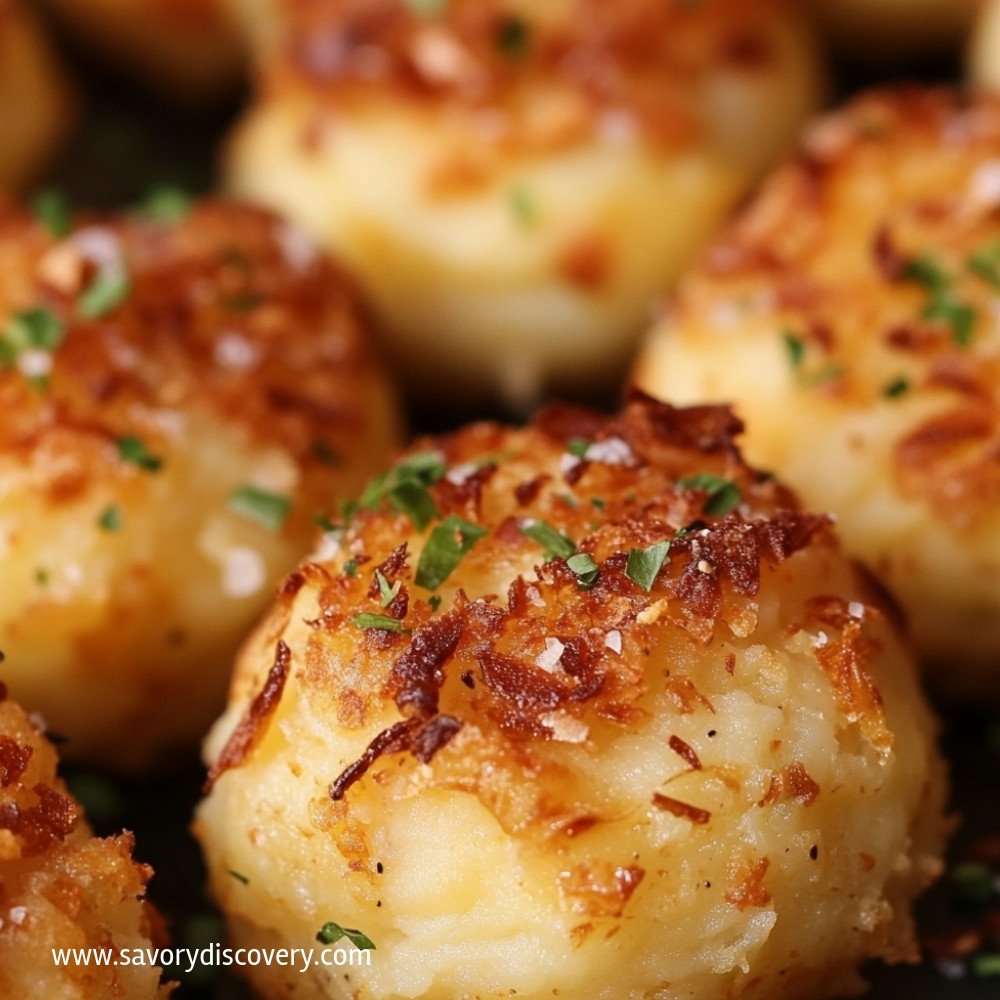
(243, 571)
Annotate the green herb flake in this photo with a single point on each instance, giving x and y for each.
(369, 620)
(351, 567)
(108, 290)
(324, 523)
(51, 209)
(405, 487)
(795, 349)
(723, 494)
(434, 601)
(986, 965)
(897, 387)
(330, 933)
(38, 329)
(577, 447)
(132, 449)
(644, 564)
(444, 549)
(166, 203)
(110, 519)
(961, 318)
(386, 591)
(972, 883)
(413, 500)
(522, 205)
(513, 36)
(586, 570)
(42, 576)
(985, 264)
(239, 876)
(925, 271)
(269, 509)
(555, 543)
(598, 503)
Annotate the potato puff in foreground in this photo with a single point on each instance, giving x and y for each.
(850, 315)
(588, 708)
(61, 887)
(183, 50)
(178, 397)
(511, 181)
(35, 101)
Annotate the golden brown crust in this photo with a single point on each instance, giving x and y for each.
(876, 245)
(60, 887)
(628, 490)
(646, 57)
(206, 321)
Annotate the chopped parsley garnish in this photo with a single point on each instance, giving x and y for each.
(368, 620)
(795, 348)
(51, 208)
(166, 203)
(941, 304)
(523, 205)
(582, 564)
(959, 317)
(133, 449)
(723, 494)
(972, 882)
(445, 547)
(386, 591)
(434, 601)
(330, 933)
(896, 388)
(513, 37)
(351, 567)
(598, 503)
(644, 564)
(925, 271)
(239, 876)
(405, 487)
(105, 293)
(110, 519)
(42, 576)
(986, 964)
(413, 500)
(268, 509)
(555, 543)
(38, 329)
(324, 523)
(828, 373)
(577, 446)
(986, 265)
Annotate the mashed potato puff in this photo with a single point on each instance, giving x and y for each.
(850, 316)
(589, 709)
(889, 31)
(513, 182)
(35, 101)
(177, 400)
(61, 887)
(184, 50)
